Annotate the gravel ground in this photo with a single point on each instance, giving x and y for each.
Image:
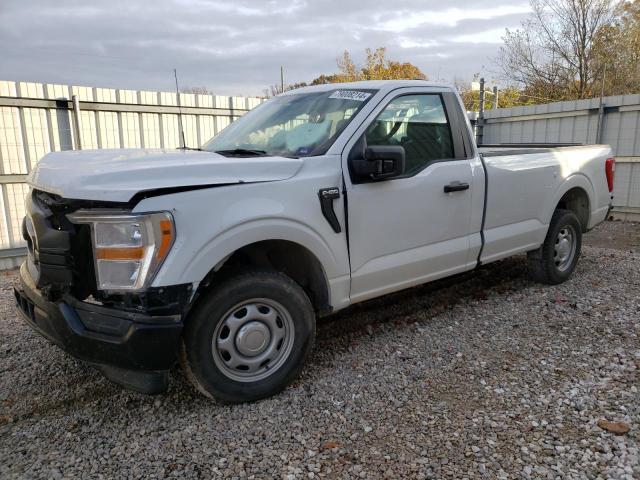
(484, 376)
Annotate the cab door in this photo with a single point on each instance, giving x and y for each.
(414, 227)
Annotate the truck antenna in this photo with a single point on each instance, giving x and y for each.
(183, 143)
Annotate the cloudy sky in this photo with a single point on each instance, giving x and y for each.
(237, 46)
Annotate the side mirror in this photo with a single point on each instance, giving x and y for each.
(380, 162)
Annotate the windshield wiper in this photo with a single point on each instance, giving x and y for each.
(242, 151)
(191, 148)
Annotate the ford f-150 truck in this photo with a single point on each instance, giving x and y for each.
(223, 257)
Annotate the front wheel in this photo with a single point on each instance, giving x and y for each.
(248, 337)
(556, 259)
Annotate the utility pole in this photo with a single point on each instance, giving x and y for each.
(281, 79)
(601, 108)
(77, 128)
(480, 126)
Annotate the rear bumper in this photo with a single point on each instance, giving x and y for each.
(133, 349)
(600, 215)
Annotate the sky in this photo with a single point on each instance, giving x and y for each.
(236, 47)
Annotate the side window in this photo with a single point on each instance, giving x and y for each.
(419, 124)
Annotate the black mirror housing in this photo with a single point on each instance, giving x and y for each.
(380, 162)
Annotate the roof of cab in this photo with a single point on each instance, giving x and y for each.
(381, 85)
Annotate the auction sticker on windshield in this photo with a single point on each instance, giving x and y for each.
(350, 95)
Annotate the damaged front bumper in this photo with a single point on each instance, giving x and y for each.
(133, 349)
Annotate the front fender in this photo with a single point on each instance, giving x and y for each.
(190, 267)
(213, 223)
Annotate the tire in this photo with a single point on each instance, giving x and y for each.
(248, 337)
(556, 259)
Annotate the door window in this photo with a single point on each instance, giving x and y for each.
(419, 124)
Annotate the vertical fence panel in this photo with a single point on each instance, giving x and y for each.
(634, 186)
(628, 135)
(170, 134)
(15, 193)
(109, 131)
(168, 98)
(4, 221)
(55, 91)
(207, 127)
(61, 131)
(190, 127)
(106, 95)
(130, 130)
(221, 102)
(11, 144)
(37, 133)
(148, 98)
(622, 185)
(151, 130)
(88, 130)
(221, 123)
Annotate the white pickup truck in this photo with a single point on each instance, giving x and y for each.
(319, 198)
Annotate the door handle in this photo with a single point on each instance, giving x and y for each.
(456, 187)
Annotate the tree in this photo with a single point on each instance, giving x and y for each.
(376, 67)
(554, 54)
(618, 51)
(348, 69)
(322, 79)
(197, 90)
(274, 90)
(508, 97)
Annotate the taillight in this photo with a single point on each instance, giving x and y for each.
(610, 169)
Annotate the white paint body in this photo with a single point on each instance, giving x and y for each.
(402, 232)
(117, 175)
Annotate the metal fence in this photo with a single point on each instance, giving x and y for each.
(617, 123)
(36, 119)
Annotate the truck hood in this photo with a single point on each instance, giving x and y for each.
(117, 175)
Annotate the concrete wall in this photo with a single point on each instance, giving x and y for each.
(36, 119)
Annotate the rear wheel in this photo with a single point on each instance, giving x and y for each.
(556, 259)
(248, 337)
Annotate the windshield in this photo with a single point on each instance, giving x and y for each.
(301, 125)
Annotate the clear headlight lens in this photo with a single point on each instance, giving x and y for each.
(128, 249)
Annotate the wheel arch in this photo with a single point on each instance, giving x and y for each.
(285, 256)
(576, 194)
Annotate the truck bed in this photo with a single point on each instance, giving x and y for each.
(524, 184)
(495, 149)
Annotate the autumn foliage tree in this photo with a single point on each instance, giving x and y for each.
(565, 49)
(617, 50)
(197, 90)
(376, 67)
(274, 90)
(507, 97)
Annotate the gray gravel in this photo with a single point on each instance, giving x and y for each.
(487, 376)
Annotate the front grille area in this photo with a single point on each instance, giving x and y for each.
(59, 251)
(60, 259)
(49, 245)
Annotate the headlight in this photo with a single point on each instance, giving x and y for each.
(128, 249)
